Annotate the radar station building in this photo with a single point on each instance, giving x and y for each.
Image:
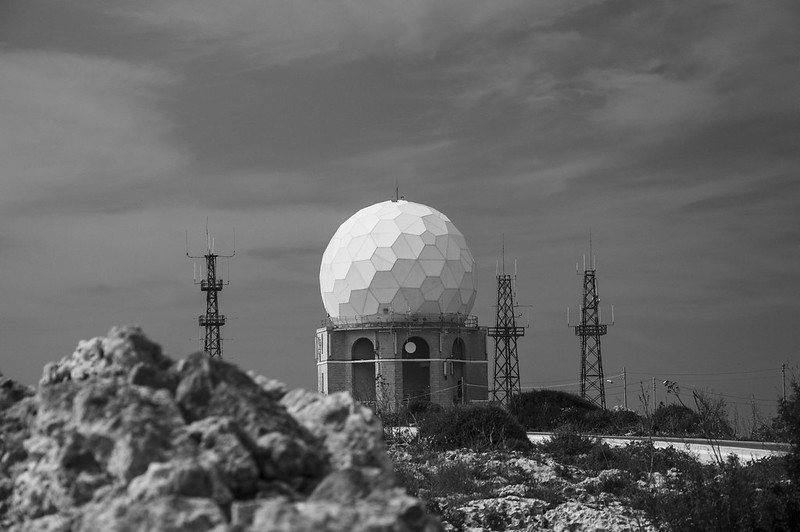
(398, 284)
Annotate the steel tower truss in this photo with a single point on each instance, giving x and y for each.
(505, 332)
(212, 320)
(590, 330)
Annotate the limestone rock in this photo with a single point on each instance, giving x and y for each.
(120, 437)
(274, 388)
(187, 478)
(390, 512)
(510, 512)
(17, 408)
(230, 449)
(115, 355)
(573, 516)
(352, 434)
(170, 513)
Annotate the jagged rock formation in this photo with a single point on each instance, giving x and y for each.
(120, 437)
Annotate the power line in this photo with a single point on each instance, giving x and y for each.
(699, 374)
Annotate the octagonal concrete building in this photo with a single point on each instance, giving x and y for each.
(398, 283)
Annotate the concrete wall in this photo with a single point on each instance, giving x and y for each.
(335, 366)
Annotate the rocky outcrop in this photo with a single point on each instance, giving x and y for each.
(120, 437)
(500, 490)
(574, 516)
(16, 410)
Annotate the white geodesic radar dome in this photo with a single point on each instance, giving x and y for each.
(397, 257)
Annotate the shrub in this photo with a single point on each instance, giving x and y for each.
(565, 445)
(545, 410)
(678, 420)
(419, 407)
(625, 422)
(728, 497)
(642, 457)
(789, 423)
(477, 427)
(713, 414)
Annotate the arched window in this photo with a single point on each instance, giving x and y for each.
(416, 347)
(363, 372)
(459, 353)
(459, 349)
(416, 370)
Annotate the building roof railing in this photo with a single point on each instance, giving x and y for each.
(404, 320)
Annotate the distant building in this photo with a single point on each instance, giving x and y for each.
(398, 283)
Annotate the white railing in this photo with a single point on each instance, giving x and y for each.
(391, 319)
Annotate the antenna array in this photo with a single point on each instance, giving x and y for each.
(212, 320)
(505, 332)
(590, 330)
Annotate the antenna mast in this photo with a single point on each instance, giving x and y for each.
(590, 330)
(505, 332)
(212, 320)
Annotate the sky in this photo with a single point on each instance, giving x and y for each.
(669, 129)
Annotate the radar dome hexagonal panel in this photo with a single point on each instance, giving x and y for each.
(397, 257)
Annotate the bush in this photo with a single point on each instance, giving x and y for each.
(419, 407)
(725, 498)
(789, 423)
(476, 427)
(548, 410)
(713, 414)
(676, 420)
(565, 445)
(545, 410)
(642, 457)
(625, 422)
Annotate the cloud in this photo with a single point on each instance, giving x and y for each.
(650, 101)
(77, 121)
(280, 31)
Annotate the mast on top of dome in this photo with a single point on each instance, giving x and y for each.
(397, 196)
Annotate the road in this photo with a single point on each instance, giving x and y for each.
(702, 449)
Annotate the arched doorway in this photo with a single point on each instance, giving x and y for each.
(459, 349)
(416, 373)
(363, 372)
(459, 353)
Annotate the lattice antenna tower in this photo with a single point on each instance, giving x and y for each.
(505, 334)
(212, 320)
(589, 331)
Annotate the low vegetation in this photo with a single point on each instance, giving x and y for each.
(481, 428)
(469, 457)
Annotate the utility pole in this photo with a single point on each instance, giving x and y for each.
(212, 320)
(654, 395)
(625, 387)
(783, 375)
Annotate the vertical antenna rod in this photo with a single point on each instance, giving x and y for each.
(504, 252)
(212, 320)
